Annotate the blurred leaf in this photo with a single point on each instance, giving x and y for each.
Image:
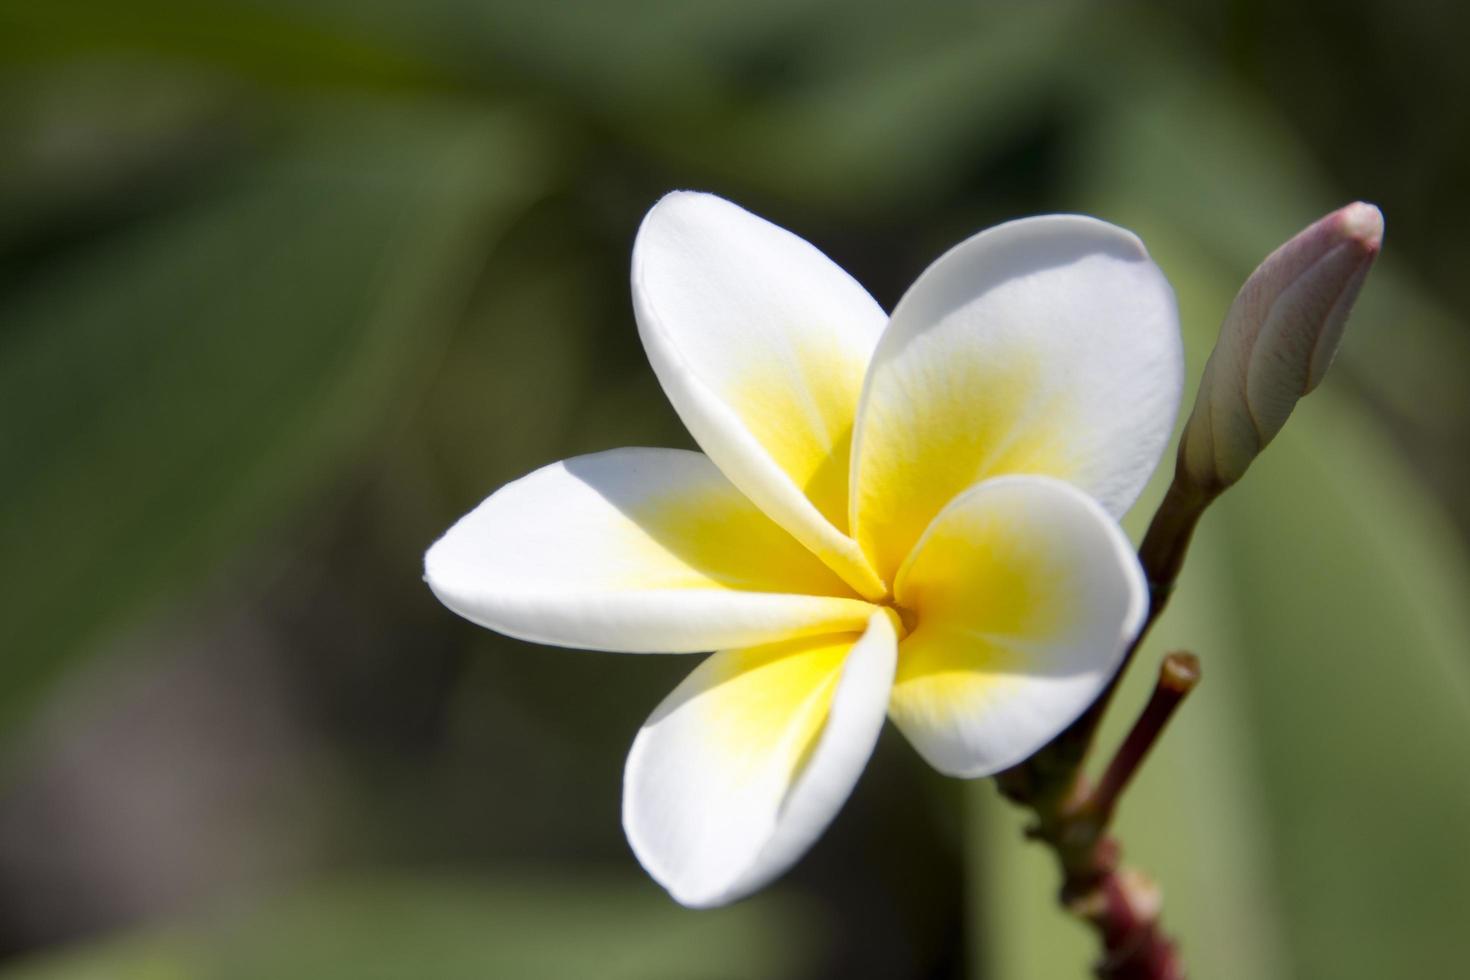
(892, 108)
(290, 43)
(1356, 640)
(1190, 152)
(393, 928)
(172, 389)
(90, 145)
(850, 106)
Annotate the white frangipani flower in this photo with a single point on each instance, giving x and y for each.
(909, 517)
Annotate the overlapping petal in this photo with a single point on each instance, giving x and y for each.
(740, 769)
(1026, 593)
(761, 343)
(637, 550)
(1048, 345)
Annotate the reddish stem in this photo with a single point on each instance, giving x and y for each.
(1134, 947)
(1072, 818)
(1178, 675)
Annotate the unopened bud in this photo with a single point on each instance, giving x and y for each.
(1276, 343)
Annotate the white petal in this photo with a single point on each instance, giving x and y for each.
(740, 770)
(761, 343)
(636, 550)
(1026, 594)
(1048, 346)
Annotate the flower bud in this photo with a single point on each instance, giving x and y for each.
(1276, 343)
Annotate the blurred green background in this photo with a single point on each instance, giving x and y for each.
(285, 287)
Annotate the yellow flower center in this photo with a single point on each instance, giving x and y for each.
(908, 619)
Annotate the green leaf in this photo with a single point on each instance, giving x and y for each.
(391, 928)
(280, 43)
(892, 110)
(175, 387)
(1209, 163)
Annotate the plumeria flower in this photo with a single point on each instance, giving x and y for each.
(907, 516)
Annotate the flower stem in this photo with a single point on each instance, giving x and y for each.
(1162, 556)
(1120, 903)
(1178, 675)
(1072, 817)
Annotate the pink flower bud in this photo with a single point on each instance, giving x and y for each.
(1277, 342)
